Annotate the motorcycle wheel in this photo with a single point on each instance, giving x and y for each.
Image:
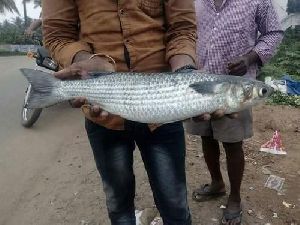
(29, 116)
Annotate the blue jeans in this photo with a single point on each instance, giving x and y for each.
(163, 153)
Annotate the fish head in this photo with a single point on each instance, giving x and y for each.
(248, 93)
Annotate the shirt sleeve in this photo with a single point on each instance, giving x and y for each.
(181, 28)
(61, 31)
(270, 30)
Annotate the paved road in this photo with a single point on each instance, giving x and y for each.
(26, 153)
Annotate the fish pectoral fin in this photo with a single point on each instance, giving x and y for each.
(208, 87)
(154, 126)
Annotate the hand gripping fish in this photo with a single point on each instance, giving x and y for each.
(153, 98)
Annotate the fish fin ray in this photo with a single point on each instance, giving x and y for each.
(42, 86)
(207, 87)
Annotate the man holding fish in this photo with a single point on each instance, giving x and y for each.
(133, 36)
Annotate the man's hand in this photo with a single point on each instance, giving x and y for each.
(82, 65)
(240, 65)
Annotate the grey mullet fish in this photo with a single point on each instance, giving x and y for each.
(151, 97)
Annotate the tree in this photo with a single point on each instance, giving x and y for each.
(8, 5)
(36, 4)
(12, 32)
(25, 12)
(293, 6)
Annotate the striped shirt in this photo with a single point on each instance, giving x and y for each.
(237, 28)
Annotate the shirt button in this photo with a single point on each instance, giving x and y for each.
(127, 41)
(218, 14)
(215, 28)
(121, 11)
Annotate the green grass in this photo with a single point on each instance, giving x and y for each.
(287, 59)
(279, 98)
(285, 62)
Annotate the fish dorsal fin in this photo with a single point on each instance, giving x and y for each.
(208, 87)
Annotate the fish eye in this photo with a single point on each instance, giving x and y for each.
(263, 91)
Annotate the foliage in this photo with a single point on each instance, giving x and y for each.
(279, 98)
(293, 6)
(8, 5)
(287, 59)
(13, 32)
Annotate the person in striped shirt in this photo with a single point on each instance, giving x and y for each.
(235, 37)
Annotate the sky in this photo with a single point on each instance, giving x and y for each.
(31, 11)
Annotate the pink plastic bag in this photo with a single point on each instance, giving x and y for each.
(274, 146)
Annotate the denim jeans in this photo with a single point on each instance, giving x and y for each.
(163, 154)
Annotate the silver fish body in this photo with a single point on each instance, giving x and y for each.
(152, 97)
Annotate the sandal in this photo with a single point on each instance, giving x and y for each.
(228, 216)
(204, 194)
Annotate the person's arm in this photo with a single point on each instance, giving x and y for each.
(61, 32)
(181, 33)
(265, 47)
(61, 37)
(270, 29)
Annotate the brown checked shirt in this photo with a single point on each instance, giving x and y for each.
(141, 35)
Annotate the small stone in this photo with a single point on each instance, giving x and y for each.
(260, 216)
(287, 205)
(266, 171)
(83, 222)
(275, 215)
(222, 207)
(250, 212)
(251, 188)
(200, 155)
(214, 220)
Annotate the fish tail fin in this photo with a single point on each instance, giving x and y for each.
(42, 89)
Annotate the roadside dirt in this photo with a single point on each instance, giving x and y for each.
(69, 191)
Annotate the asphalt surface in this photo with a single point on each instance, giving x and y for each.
(26, 153)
